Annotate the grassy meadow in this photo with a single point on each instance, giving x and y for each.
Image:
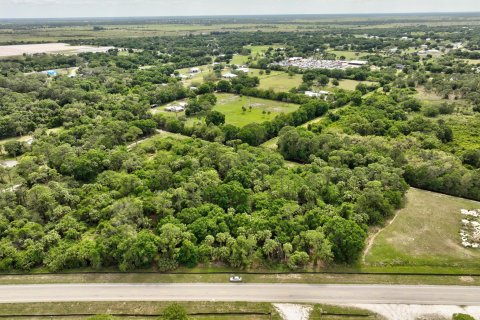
(349, 55)
(231, 105)
(425, 233)
(279, 81)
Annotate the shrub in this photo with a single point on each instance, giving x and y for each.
(461, 316)
(298, 259)
(175, 312)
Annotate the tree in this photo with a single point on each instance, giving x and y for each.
(14, 148)
(224, 86)
(346, 237)
(175, 312)
(215, 117)
(298, 260)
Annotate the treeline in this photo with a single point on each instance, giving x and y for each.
(423, 166)
(172, 203)
(253, 134)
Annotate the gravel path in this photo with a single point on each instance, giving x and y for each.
(293, 311)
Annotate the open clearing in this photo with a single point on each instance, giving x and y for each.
(349, 55)
(231, 105)
(280, 82)
(261, 50)
(425, 233)
(18, 50)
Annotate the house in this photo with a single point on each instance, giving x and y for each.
(193, 88)
(229, 76)
(357, 62)
(243, 69)
(195, 70)
(175, 108)
(319, 94)
(312, 94)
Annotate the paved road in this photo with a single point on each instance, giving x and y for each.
(335, 294)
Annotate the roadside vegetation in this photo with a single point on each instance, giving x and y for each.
(171, 311)
(273, 167)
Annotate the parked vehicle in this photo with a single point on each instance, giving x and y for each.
(236, 279)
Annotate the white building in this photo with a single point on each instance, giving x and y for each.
(357, 62)
(175, 108)
(243, 69)
(195, 70)
(229, 76)
(319, 94)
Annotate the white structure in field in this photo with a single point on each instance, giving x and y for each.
(357, 62)
(229, 75)
(178, 107)
(174, 109)
(195, 70)
(243, 69)
(318, 94)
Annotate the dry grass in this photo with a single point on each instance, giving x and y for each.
(425, 233)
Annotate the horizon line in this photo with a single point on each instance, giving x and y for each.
(249, 15)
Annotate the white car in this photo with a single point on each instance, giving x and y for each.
(235, 279)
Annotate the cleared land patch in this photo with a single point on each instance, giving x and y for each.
(280, 82)
(231, 105)
(18, 50)
(425, 233)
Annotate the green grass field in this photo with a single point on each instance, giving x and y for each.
(197, 77)
(239, 59)
(280, 82)
(231, 106)
(349, 55)
(425, 233)
(260, 50)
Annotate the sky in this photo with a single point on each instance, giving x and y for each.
(127, 8)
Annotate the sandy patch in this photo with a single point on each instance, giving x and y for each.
(9, 163)
(293, 311)
(414, 312)
(18, 50)
(467, 279)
